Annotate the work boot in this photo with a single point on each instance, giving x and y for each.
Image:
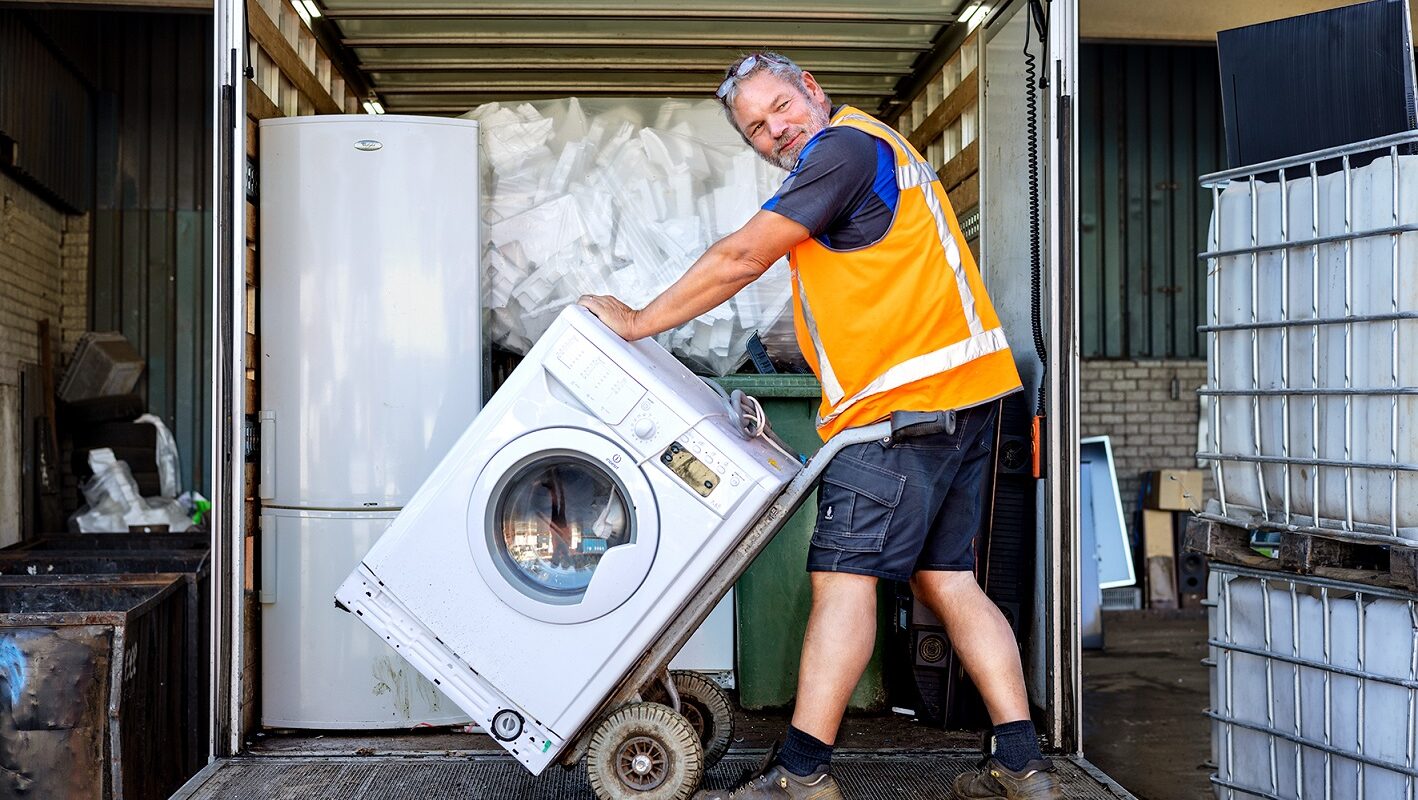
(994, 781)
(773, 781)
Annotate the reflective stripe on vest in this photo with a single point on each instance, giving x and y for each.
(830, 385)
(914, 173)
(924, 366)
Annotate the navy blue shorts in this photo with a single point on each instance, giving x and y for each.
(891, 510)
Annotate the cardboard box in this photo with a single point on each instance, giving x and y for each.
(1175, 489)
(1158, 535)
(1161, 583)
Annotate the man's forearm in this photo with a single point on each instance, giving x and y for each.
(714, 278)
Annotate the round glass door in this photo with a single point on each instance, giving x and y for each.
(562, 525)
(555, 518)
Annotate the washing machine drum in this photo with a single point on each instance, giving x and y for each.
(557, 517)
(561, 524)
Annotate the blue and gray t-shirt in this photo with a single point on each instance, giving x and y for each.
(843, 189)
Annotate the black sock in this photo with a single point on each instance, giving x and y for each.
(803, 754)
(1016, 744)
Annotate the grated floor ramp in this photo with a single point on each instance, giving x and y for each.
(864, 776)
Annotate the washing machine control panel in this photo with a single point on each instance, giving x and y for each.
(650, 427)
(596, 381)
(712, 476)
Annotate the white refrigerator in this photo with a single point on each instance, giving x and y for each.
(371, 367)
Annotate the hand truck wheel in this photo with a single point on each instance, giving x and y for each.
(644, 751)
(706, 706)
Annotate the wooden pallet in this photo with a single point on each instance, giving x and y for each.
(1308, 554)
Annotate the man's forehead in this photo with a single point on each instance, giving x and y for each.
(762, 86)
(759, 92)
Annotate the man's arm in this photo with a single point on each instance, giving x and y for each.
(727, 266)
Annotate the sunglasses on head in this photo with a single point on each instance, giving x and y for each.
(745, 67)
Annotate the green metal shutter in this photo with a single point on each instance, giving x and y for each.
(1150, 117)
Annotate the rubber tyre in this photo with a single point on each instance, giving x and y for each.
(708, 709)
(656, 732)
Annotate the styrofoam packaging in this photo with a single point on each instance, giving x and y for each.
(1322, 356)
(1291, 718)
(620, 197)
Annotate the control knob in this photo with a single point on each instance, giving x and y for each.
(644, 428)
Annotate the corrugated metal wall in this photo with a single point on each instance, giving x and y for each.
(150, 105)
(152, 225)
(1150, 124)
(46, 117)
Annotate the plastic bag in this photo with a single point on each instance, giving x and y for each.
(114, 503)
(618, 197)
(166, 456)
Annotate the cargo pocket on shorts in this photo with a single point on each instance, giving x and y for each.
(855, 505)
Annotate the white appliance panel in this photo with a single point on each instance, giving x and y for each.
(421, 587)
(711, 648)
(321, 668)
(370, 308)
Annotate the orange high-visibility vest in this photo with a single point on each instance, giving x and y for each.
(903, 324)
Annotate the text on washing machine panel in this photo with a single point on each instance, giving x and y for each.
(606, 389)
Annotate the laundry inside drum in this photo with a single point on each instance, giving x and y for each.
(558, 516)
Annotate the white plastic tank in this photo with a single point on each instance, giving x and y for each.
(1291, 715)
(1288, 419)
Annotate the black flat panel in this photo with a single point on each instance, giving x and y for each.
(1316, 81)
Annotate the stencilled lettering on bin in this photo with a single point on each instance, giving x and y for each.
(602, 386)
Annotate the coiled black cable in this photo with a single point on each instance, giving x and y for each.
(1036, 247)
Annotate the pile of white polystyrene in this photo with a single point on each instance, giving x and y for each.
(618, 197)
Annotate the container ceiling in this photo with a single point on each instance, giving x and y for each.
(446, 56)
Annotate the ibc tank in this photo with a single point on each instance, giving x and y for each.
(1328, 392)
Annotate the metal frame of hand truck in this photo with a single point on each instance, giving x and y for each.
(652, 665)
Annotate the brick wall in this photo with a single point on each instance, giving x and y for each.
(43, 275)
(1132, 402)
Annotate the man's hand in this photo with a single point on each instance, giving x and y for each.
(617, 316)
(727, 266)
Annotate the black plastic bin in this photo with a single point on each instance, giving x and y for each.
(194, 566)
(114, 541)
(91, 688)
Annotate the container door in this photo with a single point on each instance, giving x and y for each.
(228, 318)
(1062, 434)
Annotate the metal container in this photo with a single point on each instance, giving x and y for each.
(1314, 687)
(192, 566)
(114, 541)
(91, 686)
(1312, 324)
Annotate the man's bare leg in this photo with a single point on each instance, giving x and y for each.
(981, 636)
(841, 633)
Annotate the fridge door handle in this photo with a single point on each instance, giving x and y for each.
(267, 447)
(267, 591)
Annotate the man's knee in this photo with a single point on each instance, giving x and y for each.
(944, 583)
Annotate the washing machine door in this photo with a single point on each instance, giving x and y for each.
(562, 525)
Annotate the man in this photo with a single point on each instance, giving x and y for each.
(892, 315)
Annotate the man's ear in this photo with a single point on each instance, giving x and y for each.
(814, 90)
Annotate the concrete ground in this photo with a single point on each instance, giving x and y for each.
(1144, 697)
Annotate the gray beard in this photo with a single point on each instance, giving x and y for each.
(817, 120)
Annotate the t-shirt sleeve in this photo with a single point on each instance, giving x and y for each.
(833, 174)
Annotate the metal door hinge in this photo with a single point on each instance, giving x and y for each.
(251, 439)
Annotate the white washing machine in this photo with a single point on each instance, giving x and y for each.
(563, 532)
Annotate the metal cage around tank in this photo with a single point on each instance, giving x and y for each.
(1312, 343)
(1314, 687)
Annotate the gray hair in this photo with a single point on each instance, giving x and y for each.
(776, 64)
